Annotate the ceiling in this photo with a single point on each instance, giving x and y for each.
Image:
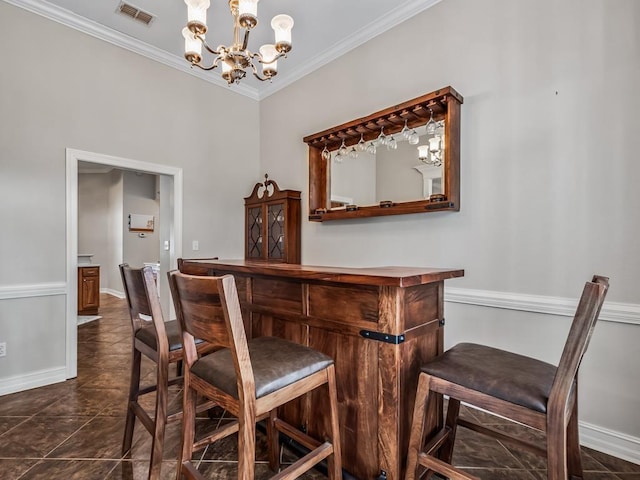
(323, 30)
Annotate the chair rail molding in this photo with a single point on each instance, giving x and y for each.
(8, 292)
(611, 311)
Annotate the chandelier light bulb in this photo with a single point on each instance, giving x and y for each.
(197, 11)
(269, 54)
(248, 13)
(226, 71)
(423, 152)
(282, 25)
(192, 46)
(434, 144)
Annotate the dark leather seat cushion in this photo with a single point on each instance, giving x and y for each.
(276, 363)
(147, 335)
(511, 377)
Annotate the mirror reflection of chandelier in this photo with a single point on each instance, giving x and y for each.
(431, 153)
(235, 59)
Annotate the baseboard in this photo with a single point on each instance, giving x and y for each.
(82, 319)
(112, 292)
(610, 442)
(31, 380)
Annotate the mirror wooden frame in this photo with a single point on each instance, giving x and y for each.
(445, 104)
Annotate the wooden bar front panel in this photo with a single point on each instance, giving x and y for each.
(376, 381)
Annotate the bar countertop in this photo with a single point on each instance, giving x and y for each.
(381, 276)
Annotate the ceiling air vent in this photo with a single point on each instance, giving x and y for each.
(135, 13)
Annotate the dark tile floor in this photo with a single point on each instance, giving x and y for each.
(73, 430)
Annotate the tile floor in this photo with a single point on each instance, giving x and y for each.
(73, 430)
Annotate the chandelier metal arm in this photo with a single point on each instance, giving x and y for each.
(218, 51)
(257, 75)
(245, 42)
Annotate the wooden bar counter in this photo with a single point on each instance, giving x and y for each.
(379, 324)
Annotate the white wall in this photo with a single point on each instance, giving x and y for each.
(93, 221)
(115, 230)
(140, 197)
(85, 94)
(549, 173)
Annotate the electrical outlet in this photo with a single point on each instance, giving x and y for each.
(3, 349)
(195, 245)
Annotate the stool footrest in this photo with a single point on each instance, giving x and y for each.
(438, 466)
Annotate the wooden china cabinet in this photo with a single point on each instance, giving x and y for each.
(272, 223)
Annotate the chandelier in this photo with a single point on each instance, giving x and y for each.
(234, 60)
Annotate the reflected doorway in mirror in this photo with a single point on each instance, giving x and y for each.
(432, 179)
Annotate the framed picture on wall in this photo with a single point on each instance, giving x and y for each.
(140, 223)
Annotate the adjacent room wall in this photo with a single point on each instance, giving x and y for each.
(141, 197)
(548, 175)
(86, 94)
(95, 207)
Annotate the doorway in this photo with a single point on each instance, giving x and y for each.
(170, 235)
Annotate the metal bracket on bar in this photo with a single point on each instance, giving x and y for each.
(382, 337)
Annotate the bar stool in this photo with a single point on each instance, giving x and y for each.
(250, 379)
(161, 342)
(518, 388)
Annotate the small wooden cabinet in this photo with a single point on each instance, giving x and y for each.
(272, 223)
(88, 290)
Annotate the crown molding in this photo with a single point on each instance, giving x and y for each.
(347, 44)
(364, 34)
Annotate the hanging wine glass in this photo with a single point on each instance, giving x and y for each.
(353, 154)
(405, 132)
(342, 151)
(382, 138)
(431, 124)
(371, 148)
(362, 145)
(392, 143)
(414, 138)
(338, 158)
(326, 154)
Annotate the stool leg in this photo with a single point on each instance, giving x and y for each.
(334, 461)
(188, 429)
(134, 388)
(417, 426)
(273, 441)
(160, 421)
(574, 462)
(246, 443)
(453, 410)
(556, 447)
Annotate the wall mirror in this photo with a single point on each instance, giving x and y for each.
(404, 159)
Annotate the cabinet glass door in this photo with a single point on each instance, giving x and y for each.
(254, 239)
(275, 225)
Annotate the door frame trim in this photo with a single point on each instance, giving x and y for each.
(74, 156)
